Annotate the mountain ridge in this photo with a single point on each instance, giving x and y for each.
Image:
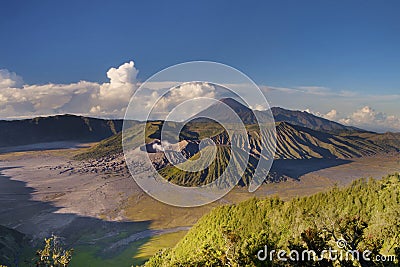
(56, 128)
(86, 129)
(249, 116)
(305, 119)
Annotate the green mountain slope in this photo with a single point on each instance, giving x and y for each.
(106, 147)
(293, 142)
(365, 214)
(208, 174)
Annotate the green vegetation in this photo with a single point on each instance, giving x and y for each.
(216, 168)
(292, 142)
(206, 174)
(156, 243)
(94, 256)
(132, 135)
(112, 145)
(136, 253)
(53, 255)
(366, 215)
(200, 130)
(109, 146)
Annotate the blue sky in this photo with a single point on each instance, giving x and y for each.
(342, 46)
(352, 45)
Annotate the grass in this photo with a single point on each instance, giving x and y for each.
(104, 148)
(135, 254)
(113, 144)
(157, 243)
(91, 256)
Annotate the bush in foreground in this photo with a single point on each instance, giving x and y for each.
(363, 216)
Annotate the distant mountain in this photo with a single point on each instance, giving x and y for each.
(305, 119)
(297, 142)
(387, 140)
(300, 135)
(56, 128)
(222, 113)
(293, 142)
(249, 116)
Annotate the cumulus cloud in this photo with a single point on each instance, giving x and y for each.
(87, 98)
(106, 100)
(45, 99)
(122, 82)
(185, 92)
(114, 96)
(126, 73)
(331, 115)
(371, 119)
(365, 118)
(110, 99)
(162, 102)
(10, 79)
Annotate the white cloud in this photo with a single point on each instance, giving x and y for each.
(316, 113)
(122, 82)
(370, 119)
(310, 90)
(46, 99)
(10, 79)
(185, 92)
(331, 115)
(114, 96)
(126, 73)
(317, 90)
(110, 99)
(259, 107)
(95, 110)
(107, 99)
(365, 118)
(162, 102)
